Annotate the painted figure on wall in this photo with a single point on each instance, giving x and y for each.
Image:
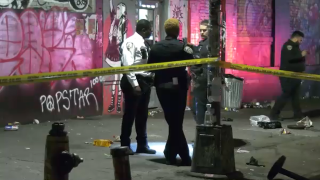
(117, 34)
(177, 14)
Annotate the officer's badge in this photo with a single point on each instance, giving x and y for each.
(289, 47)
(188, 50)
(129, 45)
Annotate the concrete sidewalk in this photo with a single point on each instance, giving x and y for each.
(22, 152)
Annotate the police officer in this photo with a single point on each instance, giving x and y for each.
(199, 78)
(136, 87)
(199, 75)
(292, 59)
(172, 87)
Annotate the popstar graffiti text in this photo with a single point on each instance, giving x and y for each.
(67, 98)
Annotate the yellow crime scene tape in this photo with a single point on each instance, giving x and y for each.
(46, 77)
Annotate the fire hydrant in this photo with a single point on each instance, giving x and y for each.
(58, 161)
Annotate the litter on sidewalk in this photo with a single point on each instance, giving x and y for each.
(102, 142)
(242, 151)
(264, 122)
(254, 162)
(12, 126)
(284, 131)
(304, 123)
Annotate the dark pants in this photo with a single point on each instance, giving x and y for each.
(173, 103)
(200, 103)
(135, 109)
(290, 91)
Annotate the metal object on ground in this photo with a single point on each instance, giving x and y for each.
(213, 151)
(232, 93)
(277, 168)
(121, 163)
(58, 161)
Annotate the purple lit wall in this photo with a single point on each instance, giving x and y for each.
(50, 37)
(300, 15)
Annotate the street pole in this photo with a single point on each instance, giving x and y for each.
(213, 154)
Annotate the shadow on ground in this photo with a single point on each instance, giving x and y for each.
(312, 113)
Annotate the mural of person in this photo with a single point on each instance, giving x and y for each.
(117, 34)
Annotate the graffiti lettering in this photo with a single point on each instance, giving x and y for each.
(97, 80)
(81, 98)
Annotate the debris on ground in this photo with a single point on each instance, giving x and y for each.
(152, 113)
(231, 109)
(255, 119)
(27, 148)
(116, 139)
(254, 162)
(11, 127)
(255, 104)
(284, 131)
(270, 125)
(304, 123)
(227, 119)
(80, 117)
(242, 151)
(102, 142)
(36, 121)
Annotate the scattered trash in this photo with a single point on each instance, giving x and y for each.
(242, 151)
(108, 155)
(254, 162)
(80, 117)
(36, 121)
(188, 108)
(78, 134)
(227, 119)
(11, 127)
(152, 113)
(231, 109)
(116, 139)
(255, 104)
(284, 131)
(27, 148)
(88, 142)
(270, 125)
(255, 119)
(304, 123)
(251, 169)
(102, 142)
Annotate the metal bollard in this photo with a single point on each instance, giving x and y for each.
(58, 161)
(277, 168)
(121, 163)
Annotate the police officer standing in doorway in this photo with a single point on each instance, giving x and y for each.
(172, 88)
(136, 87)
(292, 59)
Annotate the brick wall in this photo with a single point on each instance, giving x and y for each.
(199, 10)
(254, 32)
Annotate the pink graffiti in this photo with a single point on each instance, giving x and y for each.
(37, 42)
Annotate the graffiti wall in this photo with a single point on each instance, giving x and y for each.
(119, 23)
(39, 40)
(301, 15)
(179, 9)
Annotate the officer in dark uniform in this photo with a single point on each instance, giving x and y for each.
(172, 87)
(292, 59)
(199, 78)
(199, 75)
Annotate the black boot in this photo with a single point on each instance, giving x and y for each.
(145, 150)
(119, 103)
(111, 106)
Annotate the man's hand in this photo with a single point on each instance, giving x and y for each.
(304, 53)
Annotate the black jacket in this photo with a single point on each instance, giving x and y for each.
(199, 71)
(291, 58)
(167, 50)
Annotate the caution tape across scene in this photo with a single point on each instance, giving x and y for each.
(46, 77)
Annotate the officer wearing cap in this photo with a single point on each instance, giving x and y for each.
(292, 59)
(136, 87)
(172, 87)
